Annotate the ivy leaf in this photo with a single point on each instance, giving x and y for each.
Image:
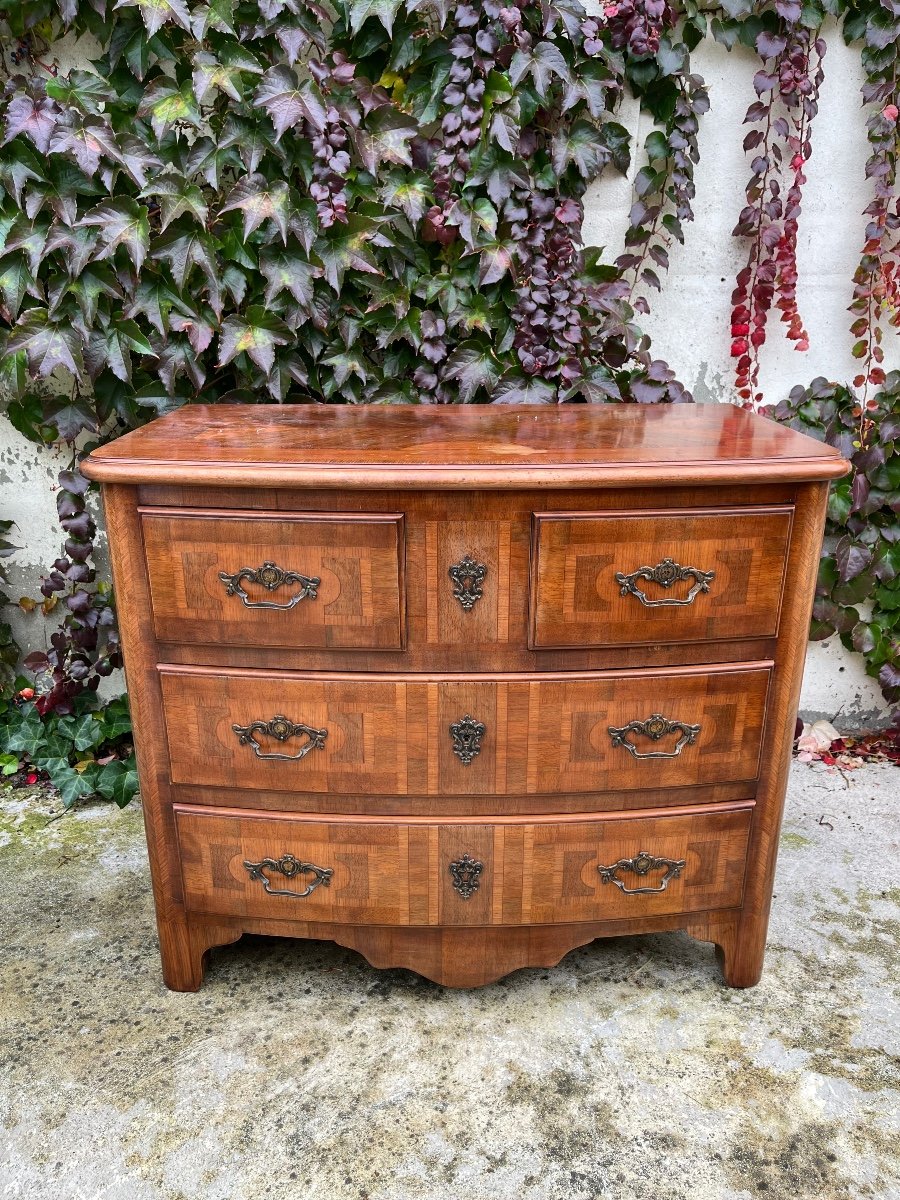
(851, 558)
(209, 75)
(71, 415)
(260, 201)
(474, 367)
(110, 349)
(522, 389)
(118, 781)
(87, 288)
(156, 13)
(408, 191)
(167, 104)
(137, 158)
(385, 138)
(670, 58)
(121, 222)
(80, 89)
(494, 262)
(345, 249)
(175, 358)
(543, 62)
(583, 144)
(184, 251)
(288, 101)
(46, 345)
(35, 118)
(505, 129)
(16, 281)
(68, 782)
(770, 45)
(176, 196)
(384, 10)
(257, 333)
(288, 272)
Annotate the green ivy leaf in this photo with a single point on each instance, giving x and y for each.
(47, 345)
(156, 13)
(385, 10)
(121, 222)
(474, 367)
(583, 144)
(167, 105)
(344, 249)
(385, 138)
(288, 272)
(288, 100)
(256, 334)
(118, 781)
(176, 196)
(522, 389)
(260, 201)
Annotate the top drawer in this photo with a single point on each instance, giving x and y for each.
(329, 580)
(606, 579)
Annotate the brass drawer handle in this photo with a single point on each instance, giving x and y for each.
(468, 576)
(466, 735)
(654, 727)
(642, 864)
(270, 577)
(665, 574)
(281, 729)
(466, 874)
(289, 866)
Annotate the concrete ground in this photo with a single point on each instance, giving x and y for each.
(297, 1071)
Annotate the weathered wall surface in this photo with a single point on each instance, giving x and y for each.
(689, 323)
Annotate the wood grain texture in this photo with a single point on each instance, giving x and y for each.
(491, 446)
(391, 735)
(577, 601)
(399, 873)
(357, 560)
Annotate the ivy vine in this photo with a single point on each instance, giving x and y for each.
(381, 201)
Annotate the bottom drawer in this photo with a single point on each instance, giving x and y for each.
(420, 872)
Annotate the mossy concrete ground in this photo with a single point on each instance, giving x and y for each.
(298, 1071)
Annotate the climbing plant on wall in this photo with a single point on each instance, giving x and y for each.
(378, 201)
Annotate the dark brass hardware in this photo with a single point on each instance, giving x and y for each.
(270, 577)
(467, 734)
(281, 729)
(466, 874)
(665, 574)
(289, 866)
(654, 727)
(642, 864)
(468, 576)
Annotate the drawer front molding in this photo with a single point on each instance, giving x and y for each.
(592, 585)
(347, 569)
(507, 736)
(413, 873)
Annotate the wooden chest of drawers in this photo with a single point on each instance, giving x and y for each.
(463, 688)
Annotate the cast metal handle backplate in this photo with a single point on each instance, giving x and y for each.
(281, 729)
(654, 728)
(468, 576)
(642, 864)
(270, 577)
(466, 735)
(289, 867)
(466, 874)
(665, 574)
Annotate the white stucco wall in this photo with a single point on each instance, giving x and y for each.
(689, 322)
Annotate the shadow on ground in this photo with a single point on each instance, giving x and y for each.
(629, 1071)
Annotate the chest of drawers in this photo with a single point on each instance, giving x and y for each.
(463, 688)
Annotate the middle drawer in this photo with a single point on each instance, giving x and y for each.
(387, 735)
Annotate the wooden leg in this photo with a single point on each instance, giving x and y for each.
(184, 947)
(740, 949)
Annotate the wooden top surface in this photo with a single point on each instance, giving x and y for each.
(488, 446)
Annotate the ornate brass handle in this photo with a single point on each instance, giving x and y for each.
(281, 729)
(270, 577)
(466, 873)
(468, 576)
(289, 866)
(466, 735)
(654, 727)
(665, 574)
(641, 865)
